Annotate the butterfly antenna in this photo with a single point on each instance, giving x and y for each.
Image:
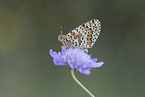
(60, 30)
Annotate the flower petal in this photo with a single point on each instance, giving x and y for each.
(84, 71)
(95, 60)
(58, 59)
(98, 64)
(53, 54)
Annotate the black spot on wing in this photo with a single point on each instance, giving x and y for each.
(83, 25)
(93, 21)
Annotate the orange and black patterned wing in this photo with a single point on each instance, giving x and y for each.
(85, 35)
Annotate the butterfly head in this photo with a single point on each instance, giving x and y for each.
(61, 37)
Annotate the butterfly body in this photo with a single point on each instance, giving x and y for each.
(84, 36)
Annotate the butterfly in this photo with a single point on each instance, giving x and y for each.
(83, 36)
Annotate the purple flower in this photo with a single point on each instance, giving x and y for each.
(75, 58)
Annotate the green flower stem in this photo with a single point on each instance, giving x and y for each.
(73, 76)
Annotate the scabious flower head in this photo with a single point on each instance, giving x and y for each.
(75, 58)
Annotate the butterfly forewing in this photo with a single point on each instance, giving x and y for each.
(84, 35)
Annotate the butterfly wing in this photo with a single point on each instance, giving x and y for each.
(85, 35)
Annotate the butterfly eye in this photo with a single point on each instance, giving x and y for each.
(61, 37)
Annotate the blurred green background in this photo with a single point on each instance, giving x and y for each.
(29, 29)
